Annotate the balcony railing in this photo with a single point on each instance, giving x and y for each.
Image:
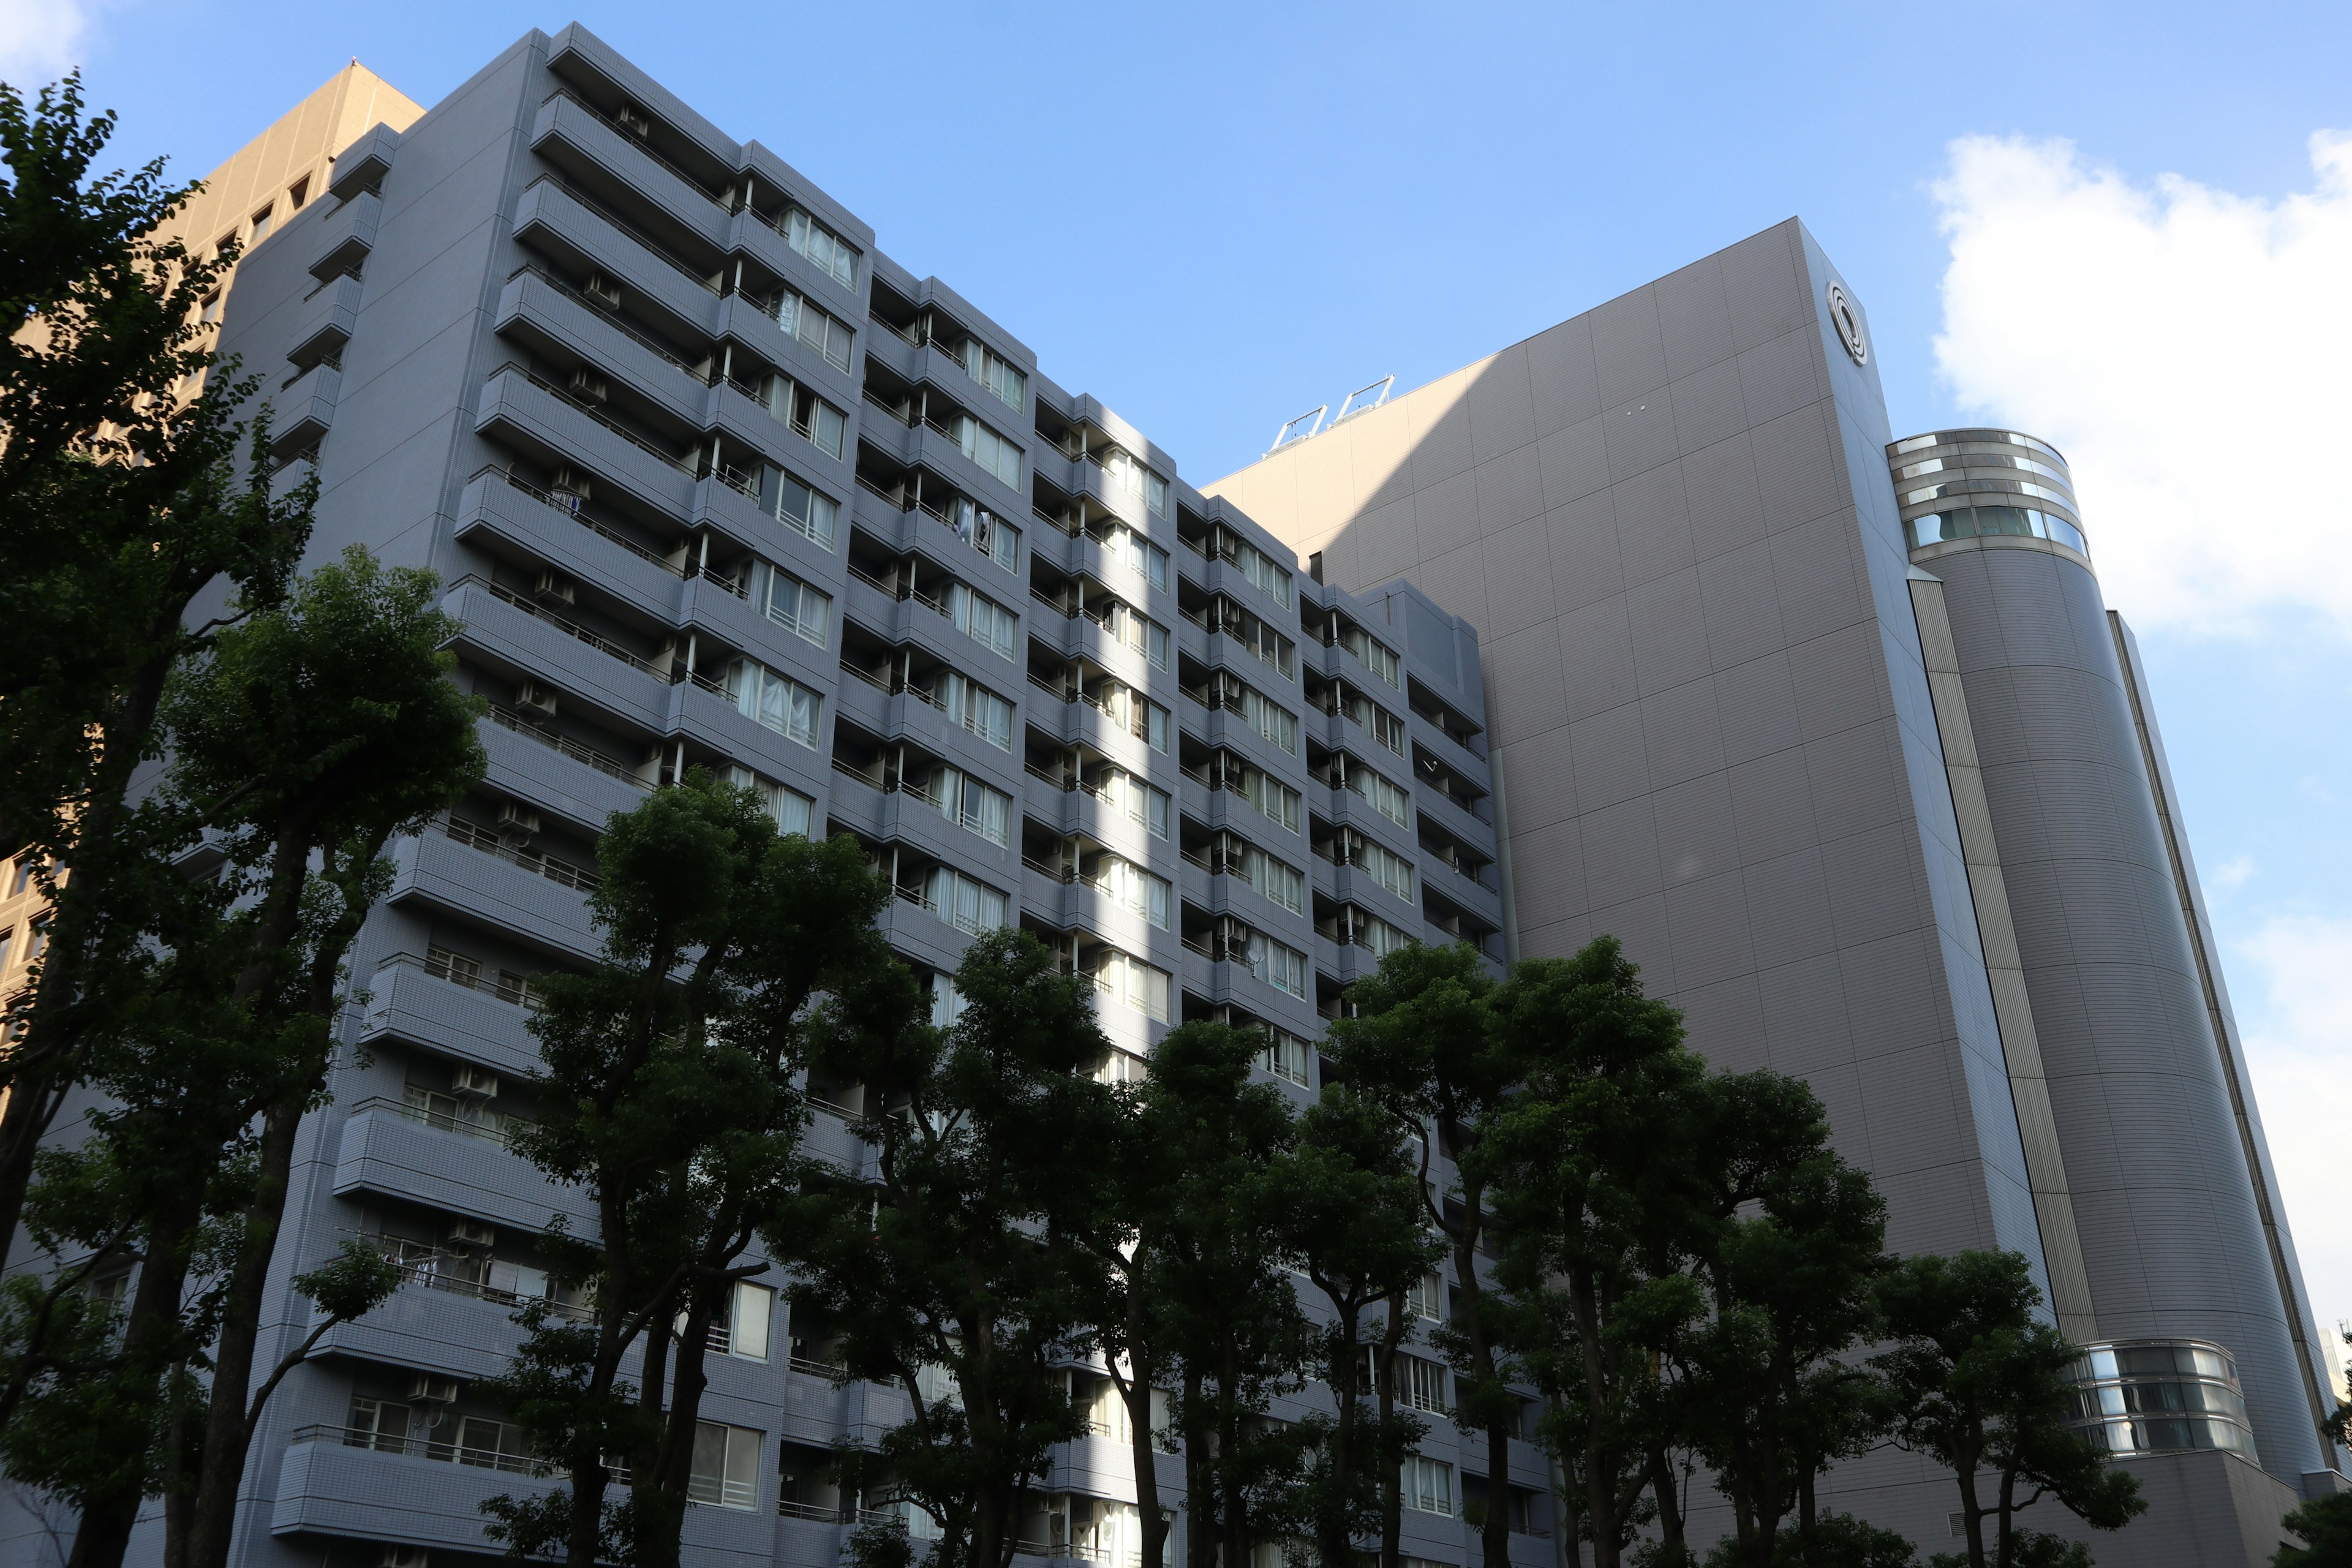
(606, 313)
(634, 140)
(508, 719)
(596, 640)
(504, 984)
(568, 506)
(476, 836)
(488, 1133)
(429, 1273)
(423, 1447)
(643, 443)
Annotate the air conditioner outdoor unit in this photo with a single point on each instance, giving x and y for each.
(603, 290)
(587, 384)
(473, 1233)
(632, 121)
(570, 482)
(468, 1079)
(534, 697)
(402, 1557)
(517, 821)
(428, 1389)
(554, 587)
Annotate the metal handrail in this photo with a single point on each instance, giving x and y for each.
(556, 500)
(439, 1121)
(655, 247)
(596, 640)
(425, 1447)
(642, 443)
(637, 142)
(508, 719)
(520, 998)
(476, 836)
(604, 313)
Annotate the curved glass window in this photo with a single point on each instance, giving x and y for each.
(1994, 522)
(2159, 1396)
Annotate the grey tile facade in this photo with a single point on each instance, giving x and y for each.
(713, 482)
(1912, 841)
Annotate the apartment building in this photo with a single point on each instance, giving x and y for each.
(1837, 732)
(714, 482)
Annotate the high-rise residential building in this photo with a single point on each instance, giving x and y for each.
(1836, 731)
(714, 483)
(1645, 626)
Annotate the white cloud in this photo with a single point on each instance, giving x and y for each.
(41, 40)
(2234, 872)
(2298, 1038)
(2184, 346)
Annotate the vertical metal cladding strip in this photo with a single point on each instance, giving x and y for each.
(2159, 781)
(2037, 1127)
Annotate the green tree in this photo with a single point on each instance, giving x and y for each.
(1198, 1297)
(965, 1270)
(1422, 1045)
(1787, 1248)
(669, 1092)
(125, 503)
(1592, 1165)
(1980, 1384)
(1362, 1229)
(2325, 1525)
(330, 725)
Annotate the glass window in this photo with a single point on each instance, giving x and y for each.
(774, 699)
(799, 608)
(2066, 534)
(1284, 1056)
(1283, 968)
(961, 902)
(262, 223)
(791, 809)
(749, 1313)
(821, 422)
(1284, 885)
(971, 804)
(814, 328)
(995, 373)
(1278, 801)
(296, 193)
(1381, 661)
(1388, 869)
(1428, 1484)
(976, 708)
(1125, 792)
(947, 1002)
(991, 451)
(825, 249)
(1390, 800)
(1271, 719)
(725, 1470)
(797, 506)
(1134, 887)
(1259, 568)
(983, 620)
(1137, 554)
(986, 532)
(1133, 982)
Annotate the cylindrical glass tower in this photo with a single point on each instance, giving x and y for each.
(2162, 1165)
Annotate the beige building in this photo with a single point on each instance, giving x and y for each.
(285, 167)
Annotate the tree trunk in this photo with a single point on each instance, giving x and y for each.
(1134, 1389)
(1599, 1461)
(1200, 1510)
(1670, 1506)
(1494, 1534)
(150, 1345)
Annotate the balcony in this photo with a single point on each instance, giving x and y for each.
(304, 409)
(588, 236)
(386, 1152)
(547, 313)
(345, 235)
(508, 631)
(331, 1483)
(324, 321)
(529, 413)
(436, 870)
(473, 1023)
(623, 172)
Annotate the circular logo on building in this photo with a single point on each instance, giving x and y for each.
(1848, 322)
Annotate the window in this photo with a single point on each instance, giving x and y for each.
(1126, 474)
(797, 506)
(1264, 576)
(1282, 884)
(775, 699)
(726, 1467)
(296, 193)
(1993, 521)
(25, 864)
(1145, 720)
(212, 309)
(1283, 968)
(965, 801)
(1125, 792)
(797, 607)
(1427, 1485)
(947, 1002)
(1376, 658)
(1427, 1299)
(741, 1329)
(1252, 633)
(1390, 800)
(1133, 982)
(995, 373)
(1277, 800)
(1138, 632)
(793, 810)
(1270, 720)
(1390, 870)
(983, 620)
(262, 222)
(961, 902)
(378, 1423)
(976, 708)
(820, 421)
(1137, 889)
(8, 941)
(812, 327)
(991, 451)
(1284, 1056)
(986, 532)
(825, 249)
(1375, 721)
(1137, 554)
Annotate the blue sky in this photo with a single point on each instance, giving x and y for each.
(1213, 216)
